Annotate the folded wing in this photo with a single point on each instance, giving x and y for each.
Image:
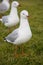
(13, 36)
(5, 19)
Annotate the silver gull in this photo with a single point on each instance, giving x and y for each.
(13, 18)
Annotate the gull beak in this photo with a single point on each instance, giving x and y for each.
(27, 16)
(19, 5)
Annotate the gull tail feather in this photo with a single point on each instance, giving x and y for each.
(0, 19)
(6, 40)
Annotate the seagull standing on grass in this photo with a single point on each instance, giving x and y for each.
(4, 6)
(23, 33)
(12, 19)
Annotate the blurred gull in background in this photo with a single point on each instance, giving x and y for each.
(13, 18)
(4, 6)
(23, 33)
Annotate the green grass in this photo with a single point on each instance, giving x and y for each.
(33, 49)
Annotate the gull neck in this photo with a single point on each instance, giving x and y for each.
(13, 11)
(24, 22)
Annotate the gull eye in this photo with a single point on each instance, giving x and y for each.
(23, 14)
(15, 3)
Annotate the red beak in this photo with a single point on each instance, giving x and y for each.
(27, 16)
(19, 5)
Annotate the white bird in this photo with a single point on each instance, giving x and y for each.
(13, 18)
(23, 33)
(4, 6)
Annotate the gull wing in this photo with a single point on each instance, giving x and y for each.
(5, 19)
(13, 36)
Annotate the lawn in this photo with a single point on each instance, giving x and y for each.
(32, 50)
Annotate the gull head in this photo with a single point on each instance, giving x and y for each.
(24, 14)
(15, 4)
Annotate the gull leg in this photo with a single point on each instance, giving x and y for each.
(16, 47)
(22, 50)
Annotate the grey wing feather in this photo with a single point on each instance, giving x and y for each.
(13, 36)
(5, 19)
(3, 7)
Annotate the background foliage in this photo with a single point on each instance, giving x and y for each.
(33, 49)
